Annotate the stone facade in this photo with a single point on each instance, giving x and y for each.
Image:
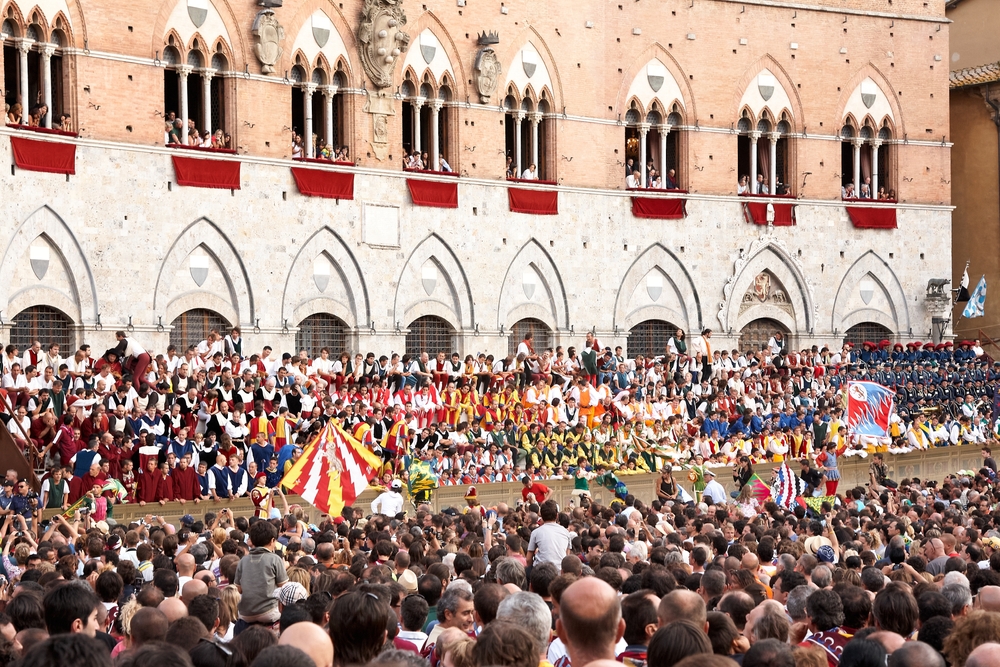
(122, 241)
(124, 244)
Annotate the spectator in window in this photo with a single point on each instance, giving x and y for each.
(670, 182)
(425, 158)
(882, 195)
(445, 166)
(743, 186)
(510, 167)
(633, 180)
(176, 132)
(847, 192)
(866, 189)
(892, 195)
(629, 167)
(760, 187)
(530, 174)
(296, 146)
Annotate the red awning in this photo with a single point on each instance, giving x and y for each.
(320, 183)
(223, 174)
(53, 157)
(433, 193)
(539, 202)
(663, 209)
(756, 212)
(872, 218)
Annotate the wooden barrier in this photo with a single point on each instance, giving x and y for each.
(932, 464)
(12, 457)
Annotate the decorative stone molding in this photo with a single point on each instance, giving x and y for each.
(745, 256)
(267, 37)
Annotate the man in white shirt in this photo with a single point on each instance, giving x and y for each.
(529, 174)
(389, 502)
(713, 490)
(633, 180)
(550, 542)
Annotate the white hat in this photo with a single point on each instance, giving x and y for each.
(396, 485)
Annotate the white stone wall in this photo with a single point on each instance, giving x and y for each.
(121, 242)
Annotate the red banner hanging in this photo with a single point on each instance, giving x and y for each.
(756, 212)
(223, 174)
(662, 209)
(51, 157)
(433, 193)
(538, 202)
(872, 218)
(319, 183)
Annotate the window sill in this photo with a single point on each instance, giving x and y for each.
(43, 130)
(531, 181)
(202, 149)
(431, 172)
(323, 160)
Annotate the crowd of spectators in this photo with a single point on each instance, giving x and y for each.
(654, 179)
(174, 134)
(907, 577)
(36, 117)
(204, 424)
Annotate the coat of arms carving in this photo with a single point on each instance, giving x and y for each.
(381, 40)
(267, 37)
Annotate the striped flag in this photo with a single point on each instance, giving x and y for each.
(333, 470)
(759, 488)
(786, 487)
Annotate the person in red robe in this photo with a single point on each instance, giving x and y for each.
(147, 483)
(185, 482)
(164, 485)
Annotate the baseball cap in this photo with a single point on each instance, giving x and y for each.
(290, 593)
(993, 542)
(396, 485)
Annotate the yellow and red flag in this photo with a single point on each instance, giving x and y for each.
(333, 470)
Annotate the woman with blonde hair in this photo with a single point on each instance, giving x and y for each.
(228, 611)
(301, 576)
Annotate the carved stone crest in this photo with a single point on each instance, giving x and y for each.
(381, 40)
(267, 37)
(488, 71)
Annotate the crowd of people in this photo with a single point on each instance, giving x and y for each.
(654, 179)
(36, 117)
(905, 576)
(207, 422)
(175, 134)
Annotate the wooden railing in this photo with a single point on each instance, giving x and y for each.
(932, 464)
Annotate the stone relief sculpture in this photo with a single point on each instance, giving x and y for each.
(267, 37)
(380, 42)
(488, 71)
(488, 66)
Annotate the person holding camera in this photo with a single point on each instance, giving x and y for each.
(23, 502)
